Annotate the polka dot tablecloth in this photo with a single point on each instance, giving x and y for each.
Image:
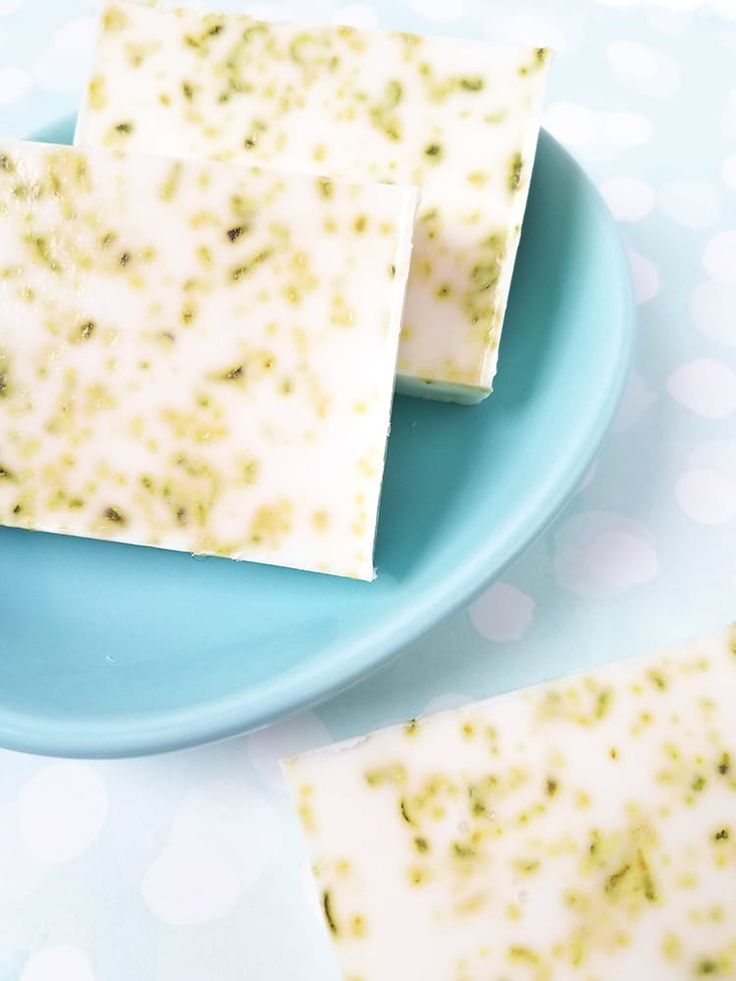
(189, 867)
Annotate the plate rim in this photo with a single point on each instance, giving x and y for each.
(226, 717)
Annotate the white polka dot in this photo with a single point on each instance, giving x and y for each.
(714, 312)
(620, 559)
(627, 128)
(706, 387)
(629, 199)
(644, 68)
(728, 171)
(637, 399)
(691, 203)
(600, 554)
(719, 258)
(268, 747)
(14, 83)
(577, 125)
(61, 811)
(192, 881)
(729, 116)
(668, 22)
(62, 963)
(439, 10)
(77, 37)
(502, 613)
(65, 66)
(360, 15)
(223, 838)
(525, 29)
(707, 496)
(645, 275)
(571, 124)
(10, 6)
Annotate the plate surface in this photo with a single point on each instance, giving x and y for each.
(110, 650)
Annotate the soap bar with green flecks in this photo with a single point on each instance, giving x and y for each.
(196, 356)
(581, 829)
(459, 119)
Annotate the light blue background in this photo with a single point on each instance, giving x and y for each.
(189, 867)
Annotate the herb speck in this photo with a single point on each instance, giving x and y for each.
(515, 169)
(473, 84)
(325, 187)
(329, 912)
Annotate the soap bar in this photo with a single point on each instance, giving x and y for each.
(582, 829)
(196, 356)
(459, 119)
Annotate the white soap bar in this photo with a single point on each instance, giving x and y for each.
(583, 829)
(458, 118)
(195, 356)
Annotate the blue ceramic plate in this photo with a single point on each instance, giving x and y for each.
(110, 650)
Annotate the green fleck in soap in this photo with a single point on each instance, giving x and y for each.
(582, 829)
(196, 356)
(459, 119)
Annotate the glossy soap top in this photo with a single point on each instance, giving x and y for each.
(195, 356)
(582, 829)
(457, 118)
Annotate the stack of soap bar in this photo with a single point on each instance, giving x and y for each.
(459, 119)
(584, 829)
(196, 356)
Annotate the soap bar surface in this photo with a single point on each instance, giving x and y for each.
(195, 356)
(585, 828)
(459, 119)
